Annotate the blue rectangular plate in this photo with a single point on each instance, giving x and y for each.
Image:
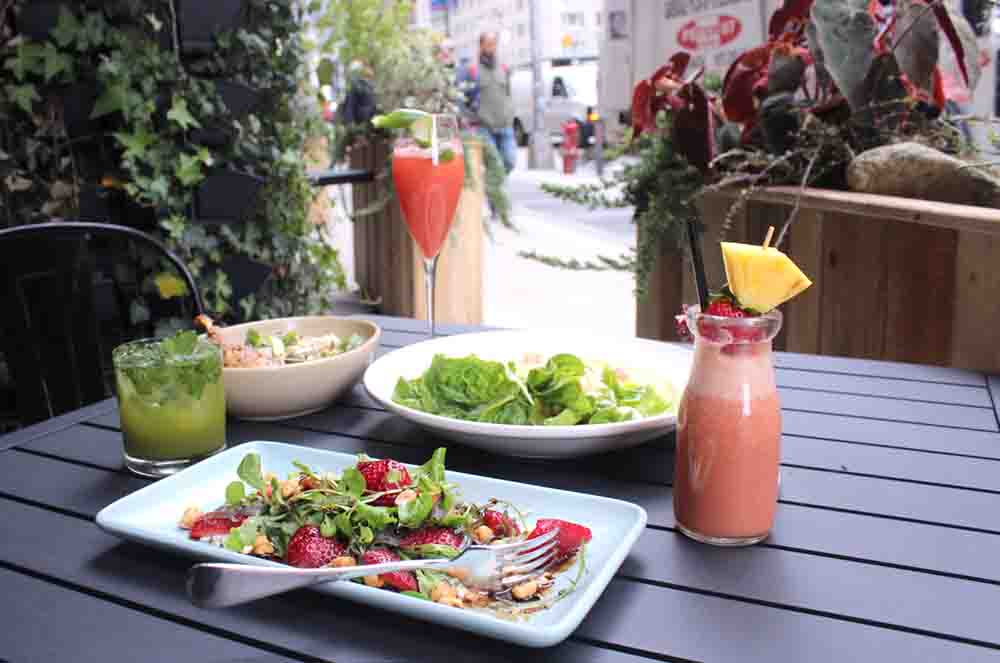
(150, 516)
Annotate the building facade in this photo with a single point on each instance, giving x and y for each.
(569, 28)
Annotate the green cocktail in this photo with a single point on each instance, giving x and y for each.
(171, 402)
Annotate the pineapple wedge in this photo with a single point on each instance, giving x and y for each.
(761, 278)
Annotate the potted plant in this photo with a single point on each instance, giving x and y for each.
(823, 118)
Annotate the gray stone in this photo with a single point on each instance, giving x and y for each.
(912, 170)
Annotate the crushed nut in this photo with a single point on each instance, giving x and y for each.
(247, 550)
(346, 560)
(477, 599)
(261, 546)
(191, 514)
(374, 581)
(407, 495)
(443, 591)
(289, 488)
(525, 590)
(458, 574)
(454, 602)
(483, 534)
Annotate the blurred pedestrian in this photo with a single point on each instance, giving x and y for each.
(359, 104)
(488, 101)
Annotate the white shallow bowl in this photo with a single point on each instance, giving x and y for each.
(273, 393)
(671, 361)
(150, 516)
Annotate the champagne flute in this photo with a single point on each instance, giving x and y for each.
(428, 171)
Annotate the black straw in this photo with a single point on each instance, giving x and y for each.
(698, 264)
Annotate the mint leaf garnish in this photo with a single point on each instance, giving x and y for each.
(180, 344)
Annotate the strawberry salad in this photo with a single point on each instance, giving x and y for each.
(381, 511)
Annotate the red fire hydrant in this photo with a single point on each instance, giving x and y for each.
(570, 146)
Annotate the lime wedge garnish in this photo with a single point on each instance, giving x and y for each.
(402, 118)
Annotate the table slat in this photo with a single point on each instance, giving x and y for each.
(52, 623)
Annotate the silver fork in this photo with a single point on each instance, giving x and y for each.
(489, 568)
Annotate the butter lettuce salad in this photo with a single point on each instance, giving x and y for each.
(564, 390)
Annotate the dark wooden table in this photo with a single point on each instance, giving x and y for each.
(887, 543)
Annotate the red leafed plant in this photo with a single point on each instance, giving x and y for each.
(834, 78)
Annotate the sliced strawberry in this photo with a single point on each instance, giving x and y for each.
(569, 539)
(432, 542)
(724, 308)
(501, 524)
(403, 581)
(215, 523)
(309, 549)
(384, 475)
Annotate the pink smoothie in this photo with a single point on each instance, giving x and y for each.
(728, 443)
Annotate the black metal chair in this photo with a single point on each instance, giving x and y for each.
(66, 293)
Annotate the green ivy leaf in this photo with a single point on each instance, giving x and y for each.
(56, 62)
(112, 100)
(180, 114)
(23, 95)
(135, 143)
(188, 169)
(67, 28)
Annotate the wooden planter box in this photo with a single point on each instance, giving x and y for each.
(893, 278)
(388, 266)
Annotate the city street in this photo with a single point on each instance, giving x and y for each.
(525, 293)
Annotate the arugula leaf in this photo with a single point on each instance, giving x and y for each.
(434, 550)
(353, 482)
(434, 468)
(253, 338)
(365, 535)
(249, 471)
(413, 513)
(376, 517)
(328, 528)
(343, 524)
(235, 493)
(416, 595)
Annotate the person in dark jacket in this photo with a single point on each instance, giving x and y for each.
(359, 104)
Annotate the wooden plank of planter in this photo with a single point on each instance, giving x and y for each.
(803, 321)
(977, 299)
(389, 266)
(888, 208)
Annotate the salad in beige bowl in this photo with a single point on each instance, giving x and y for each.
(288, 367)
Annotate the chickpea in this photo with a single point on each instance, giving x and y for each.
(261, 546)
(289, 488)
(525, 590)
(374, 581)
(443, 591)
(190, 516)
(454, 602)
(407, 495)
(483, 534)
(346, 560)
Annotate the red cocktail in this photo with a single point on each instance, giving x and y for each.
(428, 176)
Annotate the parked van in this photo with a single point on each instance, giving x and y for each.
(570, 90)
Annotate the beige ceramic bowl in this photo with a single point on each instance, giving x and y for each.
(283, 392)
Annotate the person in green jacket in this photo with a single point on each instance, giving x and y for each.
(488, 101)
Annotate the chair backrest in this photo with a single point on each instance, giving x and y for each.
(59, 282)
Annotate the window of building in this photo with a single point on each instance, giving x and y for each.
(522, 29)
(572, 19)
(597, 18)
